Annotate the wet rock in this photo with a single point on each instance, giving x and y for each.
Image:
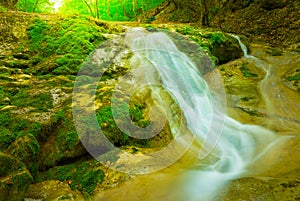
(27, 150)
(226, 50)
(14, 179)
(249, 189)
(241, 79)
(62, 143)
(52, 190)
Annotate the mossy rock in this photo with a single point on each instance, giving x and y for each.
(83, 176)
(221, 47)
(27, 149)
(62, 143)
(14, 178)
(249, 189)
(13, 126)
(52, 190)
(225, 48)
(73, 38)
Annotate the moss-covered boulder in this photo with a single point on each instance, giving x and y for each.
(220, 46)
(62, 143)
(52, 190)
(84, 175)
(241, 79)
(27, 149)
(226, 48)
(14, 178)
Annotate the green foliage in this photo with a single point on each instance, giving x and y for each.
(15, 170)
(67, 137)
(111, 10)
(40, 6)
(84, 176)
(217, 37)
(68, 41)
(58, 116)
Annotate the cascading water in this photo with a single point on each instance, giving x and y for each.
(237, 146)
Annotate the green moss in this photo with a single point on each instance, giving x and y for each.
(111, 130)
(136, 114)
(72, 39)
(27, 149)
(205, 38)
(13, 127)
(20, 178)
(2, 9)
(6, 138)
(67, 139)
(39, 39)
(4, 119)
(40, 101)
(217, 37)
(84, 176)
(9, 164)
(295, 77)
(246, 72)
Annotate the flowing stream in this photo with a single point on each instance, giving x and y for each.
(228, 147)
(280, 101)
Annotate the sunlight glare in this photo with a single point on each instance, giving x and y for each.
(57, 4)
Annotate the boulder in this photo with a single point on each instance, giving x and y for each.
(14, 178)
(226, 50)
(52, 190)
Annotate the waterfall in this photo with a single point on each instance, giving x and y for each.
(236, 145)
(242, 45)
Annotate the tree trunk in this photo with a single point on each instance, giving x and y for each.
(35, 5)
(124, 9)
(89, 7)
(133, 8)
(205, 13)
(97, 10)
(108, 8)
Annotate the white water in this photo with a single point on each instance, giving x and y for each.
(237, 145)
(264, 84)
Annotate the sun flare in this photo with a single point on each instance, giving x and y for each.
(57, 4)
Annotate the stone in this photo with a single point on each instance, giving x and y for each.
(14, 178)
(227, 50)
(52, 190)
